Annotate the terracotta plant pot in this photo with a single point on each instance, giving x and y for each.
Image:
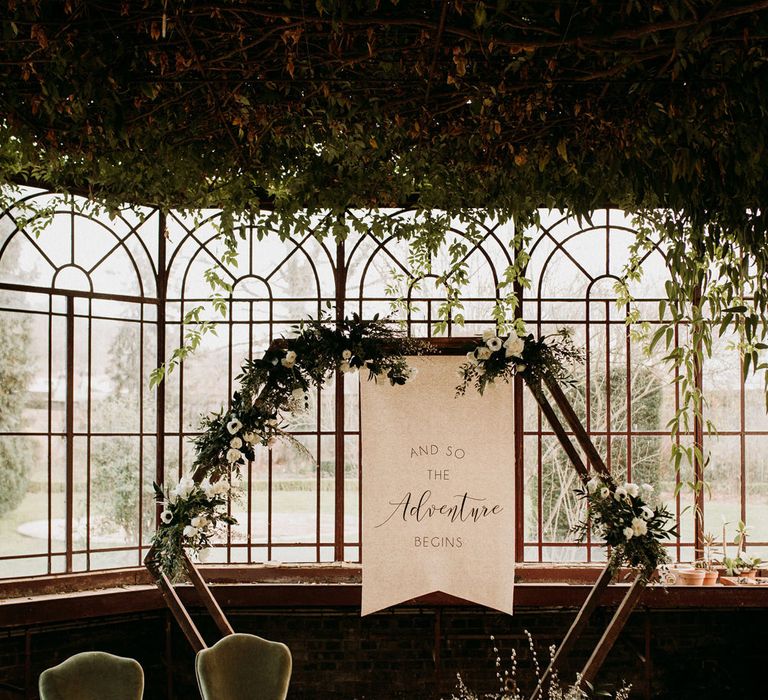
(691, 577)
(752, 573)
(710, 578)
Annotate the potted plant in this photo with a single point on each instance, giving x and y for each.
(707, 563)
(742, 564)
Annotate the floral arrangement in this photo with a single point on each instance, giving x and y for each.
(509, 683)
(624, 518)
(192, 513)
(272, 387)
(518, 354)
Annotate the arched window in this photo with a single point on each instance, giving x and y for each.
(78, 437)
(93, 304)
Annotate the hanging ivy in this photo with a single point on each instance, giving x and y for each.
(319, 117)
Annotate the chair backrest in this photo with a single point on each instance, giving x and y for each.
(244, 667)
(93, 675)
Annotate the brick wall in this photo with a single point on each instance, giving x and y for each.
(416, 653)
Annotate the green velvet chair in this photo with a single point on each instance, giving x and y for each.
(93, 675)
(244, 667)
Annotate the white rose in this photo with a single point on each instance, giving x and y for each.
(185, 487)
(207, 487)
(620, 494)
(166, 516)
(234, 426)
(493, 344)
(289, 360)
(297, 395)
(271, 422)
(346, 354)
(628, 533)
(251, 438)
(190, 531)
(605, 492)
(592, 484)
(233, 455)
(639, 526)
(646, 513)
(514, 345)
(236, 442)
(221, 487)
(483, 353)
(199, 521)
(632, 489)
(489, 333)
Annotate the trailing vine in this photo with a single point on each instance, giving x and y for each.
(715, 288)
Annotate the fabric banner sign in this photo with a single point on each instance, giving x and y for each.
(438, 489)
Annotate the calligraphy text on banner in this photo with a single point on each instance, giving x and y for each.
(438, 489)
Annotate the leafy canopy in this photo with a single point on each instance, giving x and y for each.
(316, 108)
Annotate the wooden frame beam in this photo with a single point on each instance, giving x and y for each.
(630, 600)
(612, 631)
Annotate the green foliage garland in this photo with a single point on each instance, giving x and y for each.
(519, 354)
(271, 388)
(619, 515)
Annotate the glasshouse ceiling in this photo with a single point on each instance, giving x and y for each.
(359, 103)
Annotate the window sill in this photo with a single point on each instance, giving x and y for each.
(62, 598)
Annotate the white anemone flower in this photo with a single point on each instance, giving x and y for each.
(493, 344)
(646, 513)
(234, 426)
(167, 517)
(605, 492)
(620, 494)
